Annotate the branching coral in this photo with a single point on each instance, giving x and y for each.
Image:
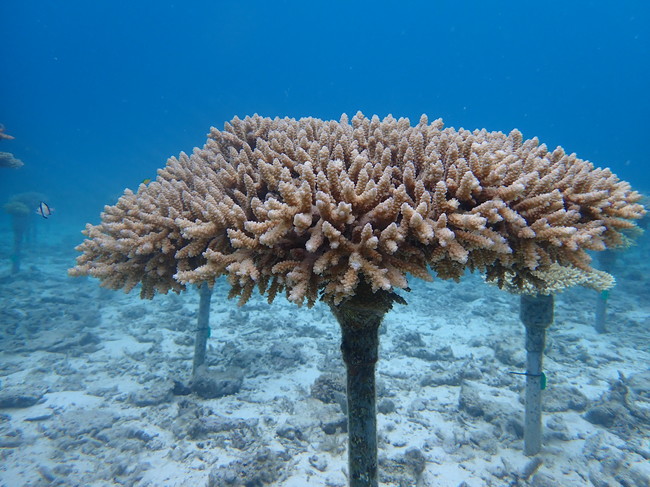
(310, 206)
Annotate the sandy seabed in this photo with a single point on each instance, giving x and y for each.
(93, 386)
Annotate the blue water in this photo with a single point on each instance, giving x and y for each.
(99, 94)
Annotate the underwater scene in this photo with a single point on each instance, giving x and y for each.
(325, 244)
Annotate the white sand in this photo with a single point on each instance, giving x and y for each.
(149, 344)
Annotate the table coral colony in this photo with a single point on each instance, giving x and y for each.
(348, 210)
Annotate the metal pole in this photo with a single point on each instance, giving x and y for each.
(203, 327)
(536, 313)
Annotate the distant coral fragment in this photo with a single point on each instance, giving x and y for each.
(8, 160)
(3, 135)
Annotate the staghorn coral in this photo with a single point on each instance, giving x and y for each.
(310, 206)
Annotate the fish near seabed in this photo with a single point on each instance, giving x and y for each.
(44, 210)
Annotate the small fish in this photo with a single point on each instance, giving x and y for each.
(44, 210)
(146, 181)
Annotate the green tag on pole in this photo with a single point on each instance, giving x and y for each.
(604, 295)
(542, 381)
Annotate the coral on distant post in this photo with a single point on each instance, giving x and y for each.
(22, 208)
(347, 210)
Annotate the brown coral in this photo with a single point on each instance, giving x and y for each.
(310, 206)
(3, 135)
